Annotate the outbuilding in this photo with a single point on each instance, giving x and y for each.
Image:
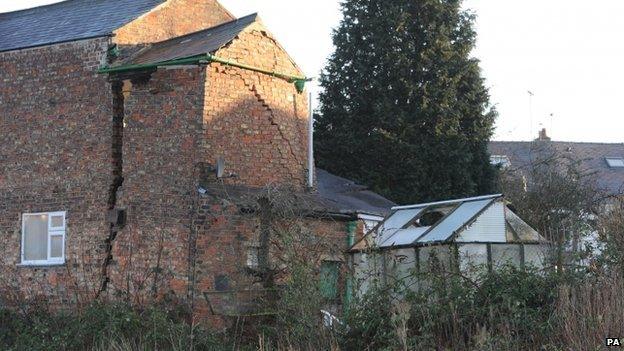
(463, 235)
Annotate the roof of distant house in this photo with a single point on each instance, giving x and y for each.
(600, 159)
(68, 21)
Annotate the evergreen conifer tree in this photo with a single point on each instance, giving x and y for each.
(404, 107)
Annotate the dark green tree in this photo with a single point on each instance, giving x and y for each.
(404, 107)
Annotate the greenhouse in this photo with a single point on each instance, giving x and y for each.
(464, 235)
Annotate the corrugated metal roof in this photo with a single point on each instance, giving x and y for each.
(203, 42)
(67, 21)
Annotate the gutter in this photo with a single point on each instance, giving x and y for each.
(298, 81)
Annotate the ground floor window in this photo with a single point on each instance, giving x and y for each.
(43, 238)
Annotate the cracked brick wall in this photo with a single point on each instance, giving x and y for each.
(178, 123)
(56, 118)
(256, 122)
(63, 148)
(162, 131)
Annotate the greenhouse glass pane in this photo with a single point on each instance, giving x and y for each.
(400, 218)
(445, 229)
(404, 236)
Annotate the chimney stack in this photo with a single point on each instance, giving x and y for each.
(542, 135)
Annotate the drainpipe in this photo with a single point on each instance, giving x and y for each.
(351, 227)
(310, 144)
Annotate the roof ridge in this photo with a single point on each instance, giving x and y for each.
(449, 202)
(69, 20)
(555, 142)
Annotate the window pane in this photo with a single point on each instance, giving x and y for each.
(506, 254)
(35, 237)
(56, 246)
(56, 221)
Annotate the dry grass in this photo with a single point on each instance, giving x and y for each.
(591, 312)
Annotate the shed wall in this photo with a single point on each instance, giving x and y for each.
(488, 227)
(473, 257)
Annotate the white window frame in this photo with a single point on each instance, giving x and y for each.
(52, 231)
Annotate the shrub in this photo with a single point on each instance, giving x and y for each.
(367, 324)
(102, 326)
(506, 309)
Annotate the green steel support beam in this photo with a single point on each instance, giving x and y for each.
(206, 59)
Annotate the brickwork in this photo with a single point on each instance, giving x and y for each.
(256, 122)
(55, 115)
(225, 237)
(74, 141)
(161, 137)
(172, 19)
(177, 123)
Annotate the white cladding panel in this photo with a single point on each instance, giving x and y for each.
(368, 271)
(439, 255)
(472, 257)
(488, 227)
(506, 254)
(536, 255)
(401, 268)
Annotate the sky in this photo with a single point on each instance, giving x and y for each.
(567, 53)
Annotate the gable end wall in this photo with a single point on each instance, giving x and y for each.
(171, 19)
(257, 123)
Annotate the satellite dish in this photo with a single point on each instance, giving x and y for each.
(220, 167)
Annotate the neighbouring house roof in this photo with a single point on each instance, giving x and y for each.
(335, 196)
(482, 219)
(592, 158)
(198, 43)
(68, 21)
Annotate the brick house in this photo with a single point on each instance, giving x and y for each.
(136, 137)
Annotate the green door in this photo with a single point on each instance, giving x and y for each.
(330, 271)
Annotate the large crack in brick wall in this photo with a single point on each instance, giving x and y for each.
(117, 175)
